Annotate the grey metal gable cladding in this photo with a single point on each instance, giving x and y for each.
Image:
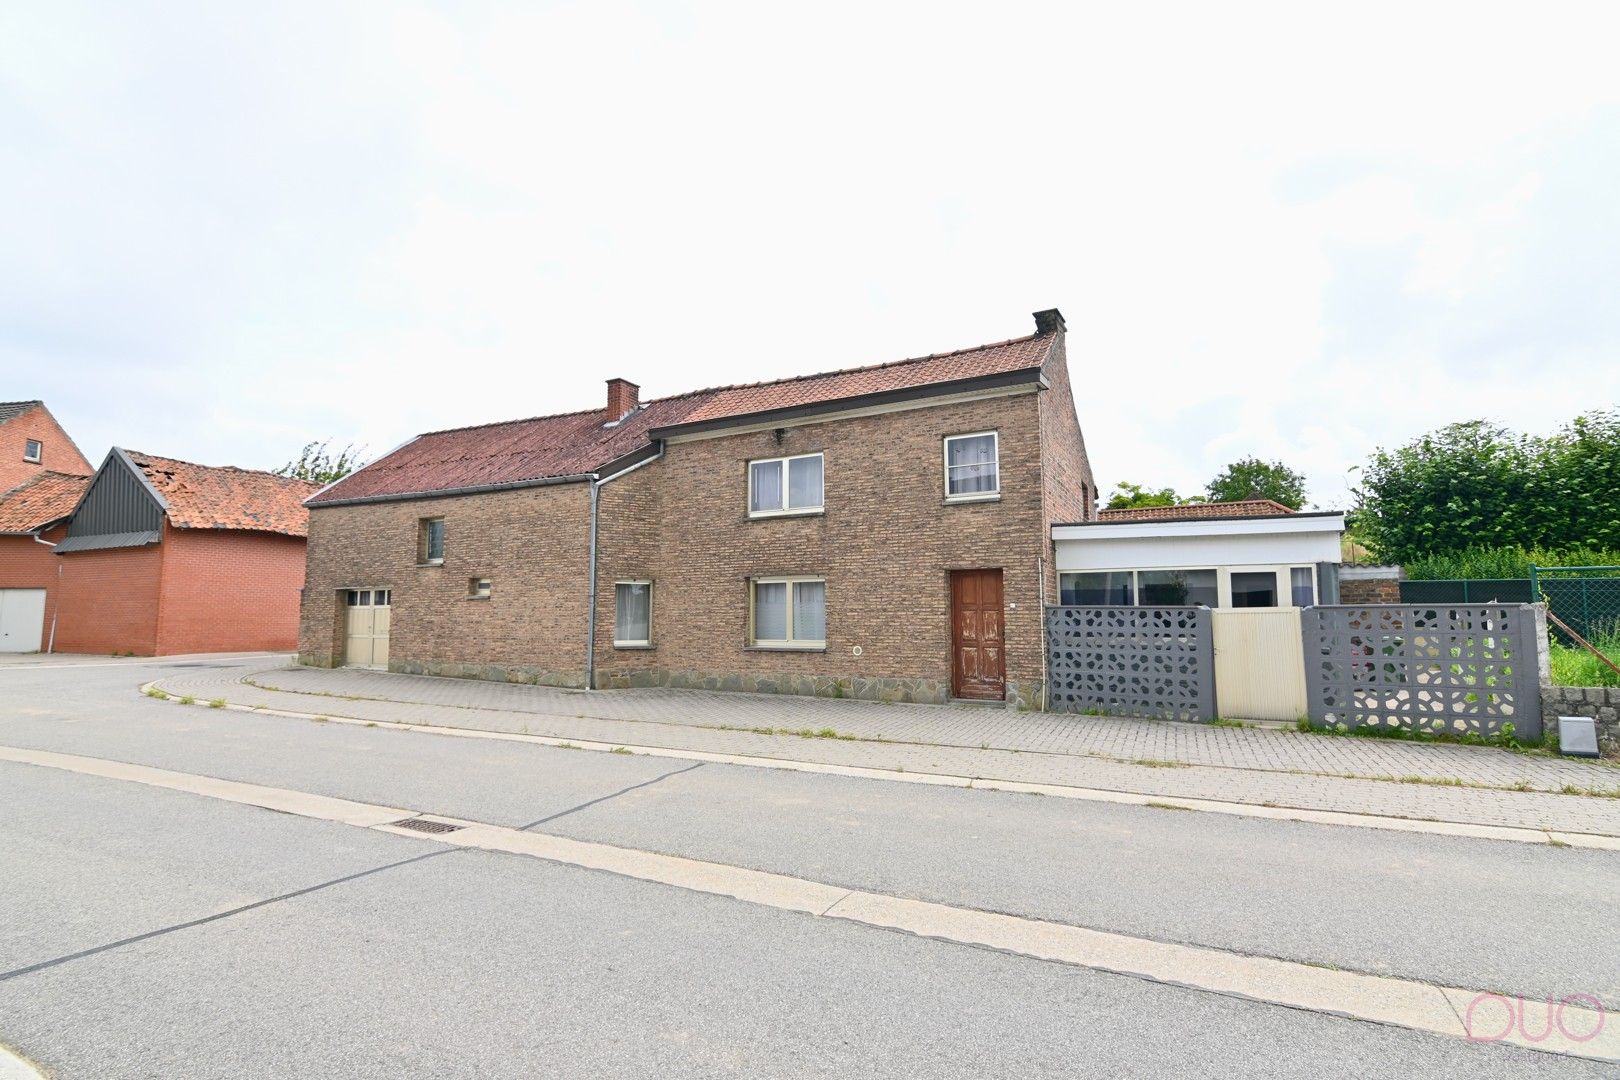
(120, 509)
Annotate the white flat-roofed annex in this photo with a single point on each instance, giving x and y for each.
(1297, 539)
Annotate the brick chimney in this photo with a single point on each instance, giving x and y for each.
(1049, 321)
(623, 397)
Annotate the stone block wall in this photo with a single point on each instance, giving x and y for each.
(1600, 703)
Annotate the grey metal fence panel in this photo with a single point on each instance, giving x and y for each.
(1437, 668)
(1131, 661)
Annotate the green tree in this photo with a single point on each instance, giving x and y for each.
(1130, 496)
(317, 464)
(1252, 478)
(1462, 486)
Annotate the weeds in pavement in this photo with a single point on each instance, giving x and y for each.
(188, 700)
(1553, 841)
(620, 750)
(154, 692)
(568, 746)
(1227, 721)
(217, 703)
(1166, 806)
(1160, 763)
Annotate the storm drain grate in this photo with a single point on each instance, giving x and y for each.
(422, 825)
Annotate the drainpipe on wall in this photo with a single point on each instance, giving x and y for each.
(590, 615)
(50, 645)
(1040, 570)
(596, 481)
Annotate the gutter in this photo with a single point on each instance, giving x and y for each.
(476, 489)
(597, 481)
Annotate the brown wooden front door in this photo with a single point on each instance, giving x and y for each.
(978, 666)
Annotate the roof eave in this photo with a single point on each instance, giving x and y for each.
(445, 493)
(859, 401)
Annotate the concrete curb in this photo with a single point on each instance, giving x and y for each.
(1588, 841)
(1441, 1010)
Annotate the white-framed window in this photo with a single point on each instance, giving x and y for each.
(632, 613)
(479, 588)
(787, 485)
(972, 466)
(788, 613)
(430, 541)
(32, 450)
(1219, 586)
(368, 597)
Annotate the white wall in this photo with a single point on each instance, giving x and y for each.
(1153, 552)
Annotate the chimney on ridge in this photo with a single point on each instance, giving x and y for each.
(623, 397)
(1049, 321)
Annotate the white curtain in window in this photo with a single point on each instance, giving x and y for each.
(810, 611)
(770, 611)
(804, 482)
(632, 620)
(1303, 578)
(767, 486)
(972, 464)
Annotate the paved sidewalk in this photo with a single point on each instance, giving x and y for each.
(1256, 766)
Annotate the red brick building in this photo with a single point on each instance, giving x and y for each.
(876, 532)
(163, 557)
(42, 475)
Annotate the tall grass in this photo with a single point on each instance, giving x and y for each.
(1572, 665)
(1503, 562)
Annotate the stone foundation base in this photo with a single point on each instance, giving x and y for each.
(1025, 694)
(1600, 703)
(507, 673)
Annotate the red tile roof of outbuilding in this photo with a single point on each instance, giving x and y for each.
(41, 499)
(1184, 511)
(573, 444)
(225, 497)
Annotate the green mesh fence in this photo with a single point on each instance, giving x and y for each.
(1586, 598)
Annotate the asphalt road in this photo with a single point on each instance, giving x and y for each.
(409, 958)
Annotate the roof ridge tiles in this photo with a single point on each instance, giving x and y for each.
(749, 385)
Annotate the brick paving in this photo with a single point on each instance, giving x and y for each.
(1262, 766)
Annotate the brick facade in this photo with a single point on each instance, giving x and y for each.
(228, 591)
(532, 544)
(109, 601)
(885, 542)
(27, 564)
(198, 590)
(57, 452)
(1369, 591)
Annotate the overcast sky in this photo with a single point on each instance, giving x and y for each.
(227, 229)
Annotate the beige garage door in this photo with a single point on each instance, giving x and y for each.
(22, 619)
(368, 613)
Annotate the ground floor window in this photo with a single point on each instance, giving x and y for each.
(788, 613)
(632, 613)
(1212, 586)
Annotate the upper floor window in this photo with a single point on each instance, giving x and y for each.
(790, 485)
(32, 449)
(430, 541)
(972, 466)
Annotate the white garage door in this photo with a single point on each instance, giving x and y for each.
(22, 619)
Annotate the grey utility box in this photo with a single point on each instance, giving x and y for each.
(1577, 736)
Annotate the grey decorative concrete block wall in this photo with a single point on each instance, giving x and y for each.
(1131, 661)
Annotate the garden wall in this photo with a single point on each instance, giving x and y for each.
(1599, 702)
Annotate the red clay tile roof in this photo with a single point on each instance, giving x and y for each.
(225, 497)
(41, 499)
(1184, 511)
(572, 444)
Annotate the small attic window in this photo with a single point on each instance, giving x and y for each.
(32, 450)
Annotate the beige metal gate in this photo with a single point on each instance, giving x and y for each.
(369, 613)
(1259, 664)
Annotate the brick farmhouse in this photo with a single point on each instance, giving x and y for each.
(161, 557)
(877, 532)
(42, 476)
